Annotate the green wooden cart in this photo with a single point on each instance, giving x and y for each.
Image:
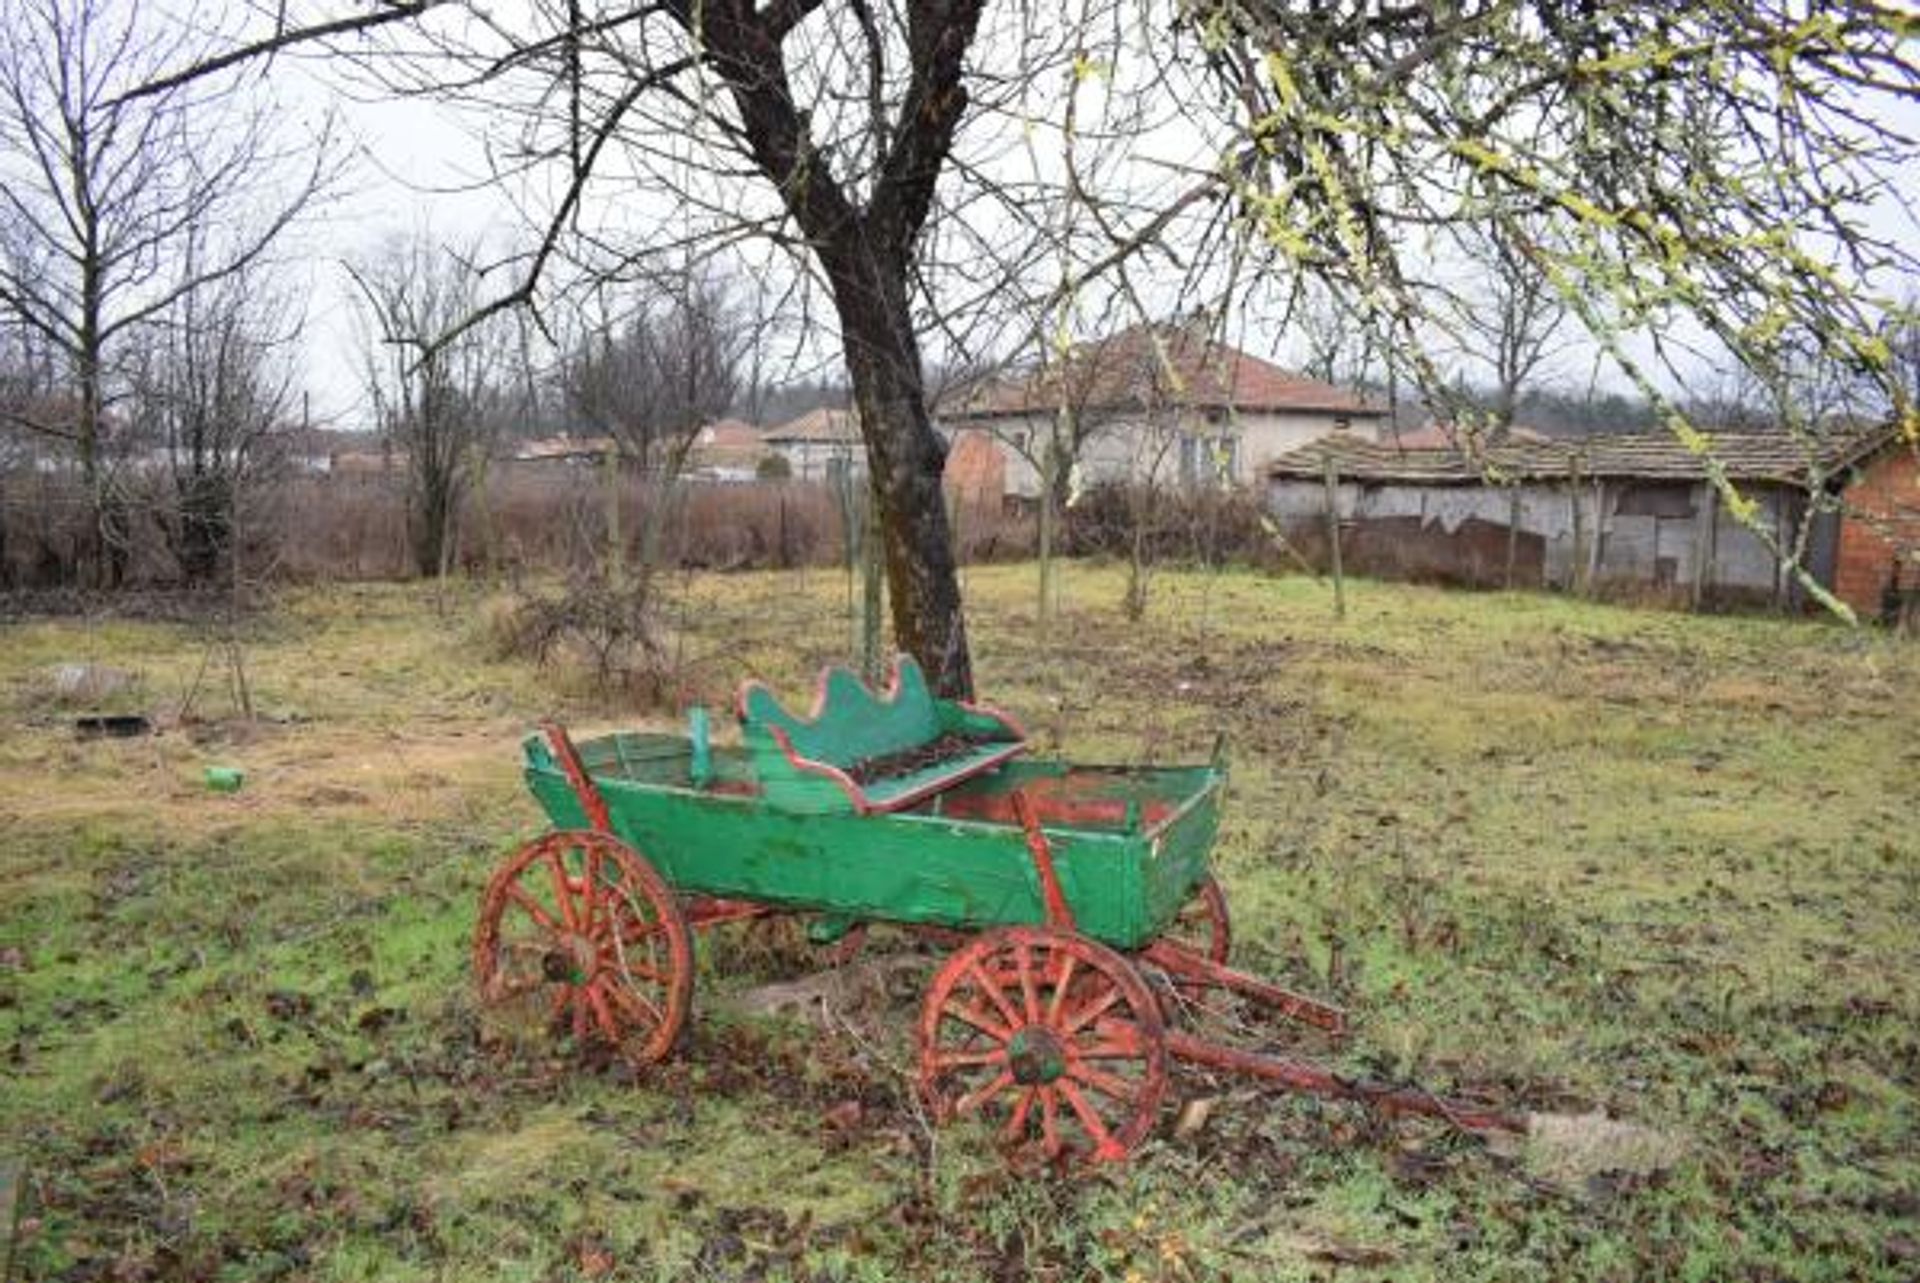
(1077, 900)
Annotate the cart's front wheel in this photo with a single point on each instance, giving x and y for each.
(1051, 1037)
(577, 931)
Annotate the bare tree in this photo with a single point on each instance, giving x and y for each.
(1338, 346)
(1510, 317)
(99, 194)
(210, 389)
(436, 399)
(675, 365)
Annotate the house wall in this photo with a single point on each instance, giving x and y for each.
(820, 460)
(1654, 533)
(1879, 531)
(1137, 449)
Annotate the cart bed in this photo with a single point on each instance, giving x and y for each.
(1130, 844)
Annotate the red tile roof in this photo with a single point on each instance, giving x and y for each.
(1155, 365)
(728, 434)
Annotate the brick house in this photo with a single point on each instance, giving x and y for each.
(1878, 557)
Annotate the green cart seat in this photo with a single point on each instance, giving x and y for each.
(856, 750)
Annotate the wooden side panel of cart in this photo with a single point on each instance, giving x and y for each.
(1124, 884)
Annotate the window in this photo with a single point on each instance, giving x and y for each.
(1226, 458)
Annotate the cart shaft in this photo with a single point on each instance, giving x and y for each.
(1318, 1080)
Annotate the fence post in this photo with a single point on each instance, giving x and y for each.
(1513, 534)
(1332, 474)
(1577, 560)
(1705, 532)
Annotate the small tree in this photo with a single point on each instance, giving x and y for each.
(1510, 317)
(209, 394)
(434, 397)
(675, 366)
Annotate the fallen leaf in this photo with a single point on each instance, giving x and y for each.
(1193, 1116)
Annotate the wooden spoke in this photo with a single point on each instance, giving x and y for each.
(534, 908)
(1061, 988)
(969, 1059)
(1015, 1129)
(636, 1002)
(1029, 995)
(592, 889)
(1099, 1006)
(1104, 1143)
(1107, 1084)
(977, 1018)
(997, 996)
(568, 914)
(602, 1013)
(981, 1095)
(1052, 1143)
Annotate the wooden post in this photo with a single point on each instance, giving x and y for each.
(1598, 549)
(1333, 535)
(1576, 561)
(1705, 519)
(616, 554)
(1513, 534)
(1783, 523)
(870, 598)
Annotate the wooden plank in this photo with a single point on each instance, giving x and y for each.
(1332, 475)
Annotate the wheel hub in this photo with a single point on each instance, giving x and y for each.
(572, 960)
(1035, 1056)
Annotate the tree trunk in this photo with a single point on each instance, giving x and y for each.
(906, 459)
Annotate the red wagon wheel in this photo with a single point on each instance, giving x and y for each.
(1051, 1037)
(1203, 925)
(580, 932)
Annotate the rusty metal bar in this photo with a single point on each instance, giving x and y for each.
(1178, 960)
(1316, 1079)
(584, 788)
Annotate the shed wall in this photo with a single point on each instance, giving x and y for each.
(1654, 533)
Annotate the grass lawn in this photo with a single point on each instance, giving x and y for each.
(1577, 858)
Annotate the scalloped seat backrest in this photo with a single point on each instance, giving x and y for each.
(852, 723)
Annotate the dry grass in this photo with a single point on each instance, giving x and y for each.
(1649, 867)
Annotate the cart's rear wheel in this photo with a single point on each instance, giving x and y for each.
(1049, 1036)
(578, 932)
(1203, 925)
(1203, 928)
